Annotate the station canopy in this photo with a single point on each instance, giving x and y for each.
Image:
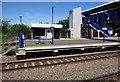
(46, 25)
(103, 7)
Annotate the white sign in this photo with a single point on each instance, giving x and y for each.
(104, 28)
(23, 36)
(49, 35)
(42, 37)
(111, 32)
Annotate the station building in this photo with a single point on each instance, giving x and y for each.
(94, 22)
(44, 30)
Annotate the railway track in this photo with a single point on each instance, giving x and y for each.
(112, 76)
(58, 60)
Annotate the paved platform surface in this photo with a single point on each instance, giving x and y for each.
(63, 42)
(115, 39)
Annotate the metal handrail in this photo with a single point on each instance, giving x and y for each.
(9, 45)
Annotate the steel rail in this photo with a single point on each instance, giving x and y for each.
(58, 60)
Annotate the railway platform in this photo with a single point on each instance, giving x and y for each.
(63, 45)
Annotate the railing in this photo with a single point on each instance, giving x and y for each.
(8, 46)
(105, 25)
(99, 28)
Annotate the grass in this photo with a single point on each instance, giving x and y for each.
(11, 53)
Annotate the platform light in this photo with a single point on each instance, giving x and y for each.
(52, 28)
(20, 34)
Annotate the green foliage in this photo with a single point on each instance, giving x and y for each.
(11, 53)
(65, 24)
(0, 27)
(5, 26)
(15, 29)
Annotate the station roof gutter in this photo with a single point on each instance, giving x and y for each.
(103, 7)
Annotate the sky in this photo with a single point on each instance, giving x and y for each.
(36, 12)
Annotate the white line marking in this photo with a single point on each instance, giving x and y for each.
(33, 64)
(60, 60)
(25, 64)
(48, 62)
(8, 66)
(40, 63)
(55, 61)
(68, 46)
(16, 66)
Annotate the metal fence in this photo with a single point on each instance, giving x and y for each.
(11, 44)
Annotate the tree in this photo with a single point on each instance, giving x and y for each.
(5, 25)
(65, 24)
(15, 30)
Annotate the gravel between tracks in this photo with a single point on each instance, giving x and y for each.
(8, 58)
(70, 71)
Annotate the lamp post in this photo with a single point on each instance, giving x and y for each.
(20, 35)
(52, 13)
(52, 28)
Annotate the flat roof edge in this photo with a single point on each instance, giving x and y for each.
(101, 6)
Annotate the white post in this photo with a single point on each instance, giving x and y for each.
(98, 34)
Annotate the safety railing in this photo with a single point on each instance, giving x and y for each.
(99, 28)
(9, 45)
